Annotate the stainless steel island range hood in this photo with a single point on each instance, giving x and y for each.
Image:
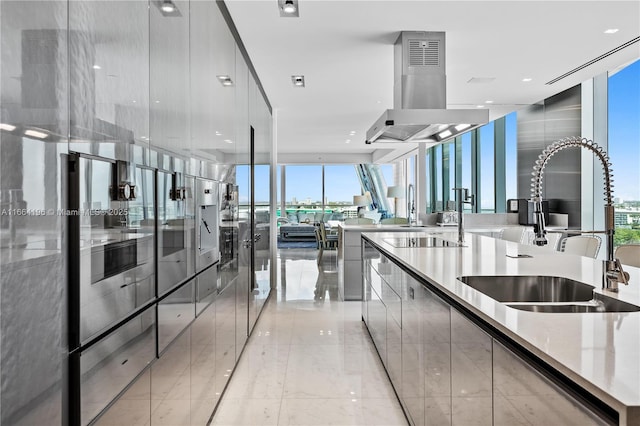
(419, 95)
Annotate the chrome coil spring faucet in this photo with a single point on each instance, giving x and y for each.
(612, 271)
(462, 197)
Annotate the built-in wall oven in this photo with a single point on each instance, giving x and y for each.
(174, 228)
(208, 252)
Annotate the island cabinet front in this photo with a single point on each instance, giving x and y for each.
(448, 367)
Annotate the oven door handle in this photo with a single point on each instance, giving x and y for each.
(206, 226)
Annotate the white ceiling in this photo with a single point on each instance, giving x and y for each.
(345, 51)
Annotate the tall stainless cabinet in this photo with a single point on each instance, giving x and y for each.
(253, 170)
(111, 278)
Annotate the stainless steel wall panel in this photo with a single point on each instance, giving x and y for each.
(33, 265)
(130, 349)
(175, 313)
(540, 125)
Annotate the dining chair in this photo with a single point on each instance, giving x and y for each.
(514, 234)
(327, 240)
(629, 254)
(582, 245)
(553, 238)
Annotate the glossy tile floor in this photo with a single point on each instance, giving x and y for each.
(310, 360)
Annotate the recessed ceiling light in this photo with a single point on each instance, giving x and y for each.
(298, 80)
(218, 133)
(353, 132)
(133, 102)
(526, 79)
(461, 127)
(488, 102)
(97, 67)
(480, 106)
(35, 134)
(288, 8)
(225, 80)
(445, 134)
(7, 127)
(168, 6)
(157, 102)
(347, 141)
(228, 141)
(611, 31)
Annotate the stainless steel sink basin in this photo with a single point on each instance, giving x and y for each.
(600, 303)
(546, 294)
(521, 288)
(421, 242)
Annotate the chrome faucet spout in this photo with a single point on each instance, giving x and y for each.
(462, 197)
(411, 204)
(612, 271)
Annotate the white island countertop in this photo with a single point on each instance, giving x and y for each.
(598, 351)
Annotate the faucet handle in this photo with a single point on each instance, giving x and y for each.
(472, 199)
(614, 274)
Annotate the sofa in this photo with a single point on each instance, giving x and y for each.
(297, 231)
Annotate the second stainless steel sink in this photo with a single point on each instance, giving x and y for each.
(546, 294)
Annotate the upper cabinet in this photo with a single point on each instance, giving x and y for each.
(169, 78)
(109, 77)
(213, 84)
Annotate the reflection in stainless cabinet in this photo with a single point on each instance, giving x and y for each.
(171, 384)
(169, 78)
(436, 339)
(394, 352)
(189, 223)
(34, 314)
(175, 313)
(225, 336)
(203, 362)
(116, 247)
(172, 231)
(522, 396)
(207, 214)
(413, 363)
(133, 407)
(378, 324)
(206, 288)
(109, 77)
(110, 365)
(471, 373)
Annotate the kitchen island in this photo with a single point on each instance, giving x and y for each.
(349, 256)
(457, 356)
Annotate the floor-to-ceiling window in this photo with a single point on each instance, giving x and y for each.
(340, 185)
(624, 151)
(486, 168)
(303, 188)
(437, 179)
(475, 161)
(465, 166)
(511, 156)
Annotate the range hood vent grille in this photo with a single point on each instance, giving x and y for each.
(420, 111)
(424, 53)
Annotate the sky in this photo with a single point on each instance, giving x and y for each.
(624, 131)
(341, 181)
